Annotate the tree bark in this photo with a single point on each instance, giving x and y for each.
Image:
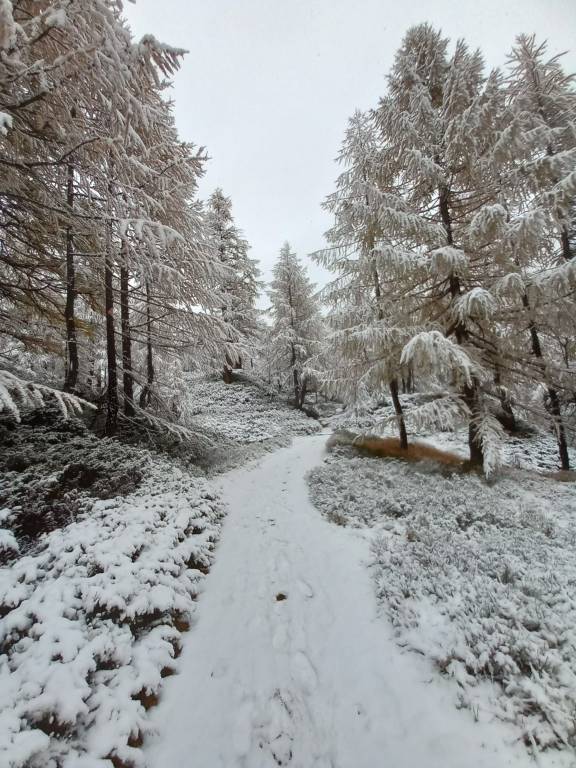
(471, 392)
(127, 377)
(393, 384)
(146, 394)
(71, 375)
(399, 414)
(555, 409)
(112, 394)
(296, 388)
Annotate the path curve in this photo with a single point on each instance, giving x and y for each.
(288, 663)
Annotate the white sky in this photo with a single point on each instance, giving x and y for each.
(268, 85)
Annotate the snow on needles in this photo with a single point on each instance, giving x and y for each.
(90, 622)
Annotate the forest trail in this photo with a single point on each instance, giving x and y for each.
(288, 663)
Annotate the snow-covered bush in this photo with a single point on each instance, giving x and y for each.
(91, 622)
(480, 578)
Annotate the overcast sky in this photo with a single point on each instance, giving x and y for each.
(268, 86)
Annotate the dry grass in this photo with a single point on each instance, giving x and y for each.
(390, 448)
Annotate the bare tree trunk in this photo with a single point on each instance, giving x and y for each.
(71, 375)
(296, 388)
(112, 394)
(470, 393)
(146, 394)
(393, 384)
(127, 378)
(505, 404)
(303, 392)
(399, 414)
(555, 409)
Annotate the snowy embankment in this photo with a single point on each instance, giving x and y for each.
(242, 421)
(288, 663)
(480, 578)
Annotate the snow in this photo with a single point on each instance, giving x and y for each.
(5, 123)
(478, 577)
(92, 619)
(241, 421)
(289, 662)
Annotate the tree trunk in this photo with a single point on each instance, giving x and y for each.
(392, 385)
(303, 392)
(504, 399)
(71, 375)
(229, 365)
(296, 389)
(112, 394)
(471, 398)
(399, 414)
(127, 378)
(146, 394)
(555, 409)
(470, 393)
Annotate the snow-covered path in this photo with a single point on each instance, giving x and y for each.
(314, 680)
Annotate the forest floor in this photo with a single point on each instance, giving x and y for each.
(289, 662)
(354, 612)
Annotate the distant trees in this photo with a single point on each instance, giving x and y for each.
(105, 254)
(453, 238)
(296, 323)
(239, 284)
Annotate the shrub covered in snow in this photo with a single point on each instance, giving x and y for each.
(480, 578)
(52, 468)
(91, 621)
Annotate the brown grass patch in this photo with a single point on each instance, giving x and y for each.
(390, 448)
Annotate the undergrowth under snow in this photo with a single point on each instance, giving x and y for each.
(92, 618)
(105, 546)
(480, 578)
(242, 420)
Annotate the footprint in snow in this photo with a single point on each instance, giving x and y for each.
(305, 588)
(304, 672)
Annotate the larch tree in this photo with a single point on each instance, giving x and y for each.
(239, 285)
(296, 322)
(367, 333)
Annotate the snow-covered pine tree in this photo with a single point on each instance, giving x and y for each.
(368, 331)
(296, 322)
(240, 285)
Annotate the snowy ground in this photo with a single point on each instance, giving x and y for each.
(289, 663)
(479, 578)
(91, 621)
(290, 659)
(240, 421)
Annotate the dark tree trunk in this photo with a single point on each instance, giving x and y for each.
(470, 393)
(393, 385)
(303, 392)
(555, 409)
(296, 388)
(112, 395)
(399, 414)
(127, 378)
(504, 399)
(71, 376)
(146, 394)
